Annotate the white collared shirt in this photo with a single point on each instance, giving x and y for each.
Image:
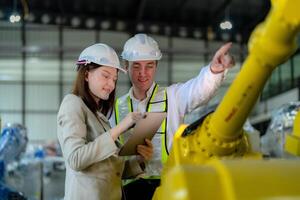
(182, 99)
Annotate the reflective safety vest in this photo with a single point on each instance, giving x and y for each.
(158, 102)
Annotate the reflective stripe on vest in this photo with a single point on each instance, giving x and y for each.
(154, 105)
(160, 105)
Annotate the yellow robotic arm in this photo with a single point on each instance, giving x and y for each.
(202, 162)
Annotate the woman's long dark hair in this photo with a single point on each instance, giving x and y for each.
(81, 89)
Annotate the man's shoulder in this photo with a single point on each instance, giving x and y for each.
(161, 88)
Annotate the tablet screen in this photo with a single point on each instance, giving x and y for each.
(144, 128)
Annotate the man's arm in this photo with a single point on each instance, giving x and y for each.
(185, 97)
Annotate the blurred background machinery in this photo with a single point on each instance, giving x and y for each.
(281, 127)
(13, 141)
(30, 174)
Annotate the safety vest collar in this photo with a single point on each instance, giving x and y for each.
(148, 93)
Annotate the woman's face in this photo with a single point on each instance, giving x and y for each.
(101, 81)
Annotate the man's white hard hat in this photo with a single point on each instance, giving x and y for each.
(100, 54)
(141, 47)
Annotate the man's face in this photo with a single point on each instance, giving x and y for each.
(142, 73)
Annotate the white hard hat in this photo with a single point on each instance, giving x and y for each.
(100, 54)
(141, 47)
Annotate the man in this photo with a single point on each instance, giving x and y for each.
(141, 54)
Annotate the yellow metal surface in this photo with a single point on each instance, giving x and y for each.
(206, 163)
(233, 180)
(292, 142)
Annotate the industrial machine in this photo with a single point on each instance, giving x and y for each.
(45, 174)
(13, 141)
(279, 138)
(212, 158)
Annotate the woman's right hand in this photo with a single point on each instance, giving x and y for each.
(128, 122)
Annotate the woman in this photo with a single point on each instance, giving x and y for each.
(89, 144)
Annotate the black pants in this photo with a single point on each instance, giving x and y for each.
(140, 189)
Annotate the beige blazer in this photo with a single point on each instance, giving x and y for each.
(93, 168)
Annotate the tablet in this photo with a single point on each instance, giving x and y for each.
(144, 128)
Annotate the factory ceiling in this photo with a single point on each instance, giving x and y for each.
(182, 18)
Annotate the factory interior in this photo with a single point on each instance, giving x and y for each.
(248, 132)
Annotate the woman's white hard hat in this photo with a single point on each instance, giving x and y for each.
(141, 47)
(100, 54)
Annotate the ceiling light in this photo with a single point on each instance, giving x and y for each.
(75, 21)
(45, 19)
(90, 23)
(59, 20)
(197, 34)
(182, 32)
(140, 27)
(120, 26)
(105, 24)
(226, 25)
(15, 18)
(30, 17)
(154, 28)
